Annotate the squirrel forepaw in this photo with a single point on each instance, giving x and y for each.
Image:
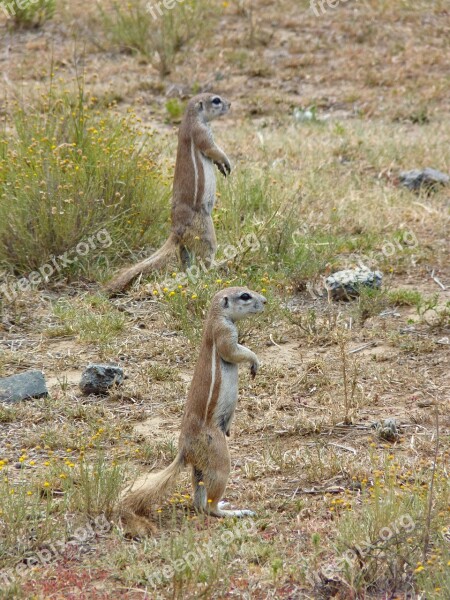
(254, 369)
(224, 167)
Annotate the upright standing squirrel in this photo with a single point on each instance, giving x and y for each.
(206, 422)
(194, 192)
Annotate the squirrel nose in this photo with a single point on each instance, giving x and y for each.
(263, 300)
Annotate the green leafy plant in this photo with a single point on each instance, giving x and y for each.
(92, 318)
(154, 31)
(65, 174)
(32, 13)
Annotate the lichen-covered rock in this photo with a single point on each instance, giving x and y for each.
(417, 179)
(344, 285)
(23, 387)
(387, 430)
(98, 379)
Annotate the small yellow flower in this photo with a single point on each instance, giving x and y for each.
(172, 294)
(194, 296)
(46, 484)
(29, 493)
(32, 462)
(419, 569)
(201, 483)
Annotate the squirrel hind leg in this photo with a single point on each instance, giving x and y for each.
(209, 486)
(200, 496)
(185, 257)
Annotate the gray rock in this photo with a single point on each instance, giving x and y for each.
(387, 430)
(98, 379)
(23, 387)
(427, 178)
(344, 285)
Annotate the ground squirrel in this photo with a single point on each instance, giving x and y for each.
(194, 192)
(208, 414)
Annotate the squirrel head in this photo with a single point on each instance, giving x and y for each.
(210, 106)
(237, 303)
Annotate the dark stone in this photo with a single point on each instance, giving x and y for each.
(345, 285)
(23, 387)
(98, 379)
(429, 179)
(387, 430)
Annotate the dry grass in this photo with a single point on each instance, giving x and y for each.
(341, 511)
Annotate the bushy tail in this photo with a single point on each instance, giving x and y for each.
(141, 501)
(159, 260)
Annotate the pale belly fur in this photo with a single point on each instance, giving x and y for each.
(226, 403)
(209, 196)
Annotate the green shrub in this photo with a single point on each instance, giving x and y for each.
(32, 13)
(155, 32)
(69, 176)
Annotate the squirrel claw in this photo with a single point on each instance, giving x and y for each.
(223, 168)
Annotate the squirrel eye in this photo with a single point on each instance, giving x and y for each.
(245, 296)
(216, 101)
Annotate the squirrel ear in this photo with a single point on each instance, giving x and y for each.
(225, 302)
(200, 105)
